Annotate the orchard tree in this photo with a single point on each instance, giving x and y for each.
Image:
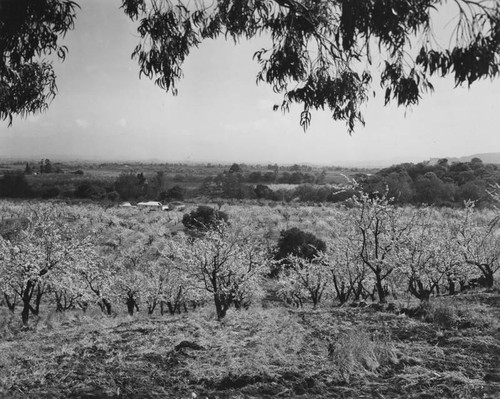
(428, 254)
(69, 289)
(381, 227)
(137, 279)
(458, 272)
(348, 274)
(291, 291)
(98, 277)
(46, 245)
(137, 266)
(480, 244)
(494, 193)
(126, 265)
(304, 279)
(176, 287)
(227, 262)
(10, 298)
(165, 283)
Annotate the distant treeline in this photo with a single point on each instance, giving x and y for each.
(441, 184)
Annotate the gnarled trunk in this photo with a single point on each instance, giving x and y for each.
(221, 305)
(131, 305)
(26, 298)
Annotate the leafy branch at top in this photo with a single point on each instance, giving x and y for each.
(320, 52)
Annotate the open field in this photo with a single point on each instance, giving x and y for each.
(340, 352)
(112, 302)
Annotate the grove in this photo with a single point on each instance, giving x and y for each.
(56, 256)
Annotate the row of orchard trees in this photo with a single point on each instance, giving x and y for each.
(67, 257)
(376, 249)
(63, 257)
(36, 248)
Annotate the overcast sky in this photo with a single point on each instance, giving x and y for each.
(103, 111)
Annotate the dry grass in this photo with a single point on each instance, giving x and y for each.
(456, 312)
(275, 352)
(357, 353)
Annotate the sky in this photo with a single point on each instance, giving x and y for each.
(103, 111)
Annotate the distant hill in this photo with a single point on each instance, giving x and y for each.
(490, 157)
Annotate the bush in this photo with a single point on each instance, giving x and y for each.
(113, 196)
(204, 218)
(295, 242)
(299, 243)
(263, 191)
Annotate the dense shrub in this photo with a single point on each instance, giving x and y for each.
(295, 242)
(298, 243)
(204, 218)
(263, 192)
(113, 196)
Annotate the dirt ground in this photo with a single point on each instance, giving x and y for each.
(450, 350)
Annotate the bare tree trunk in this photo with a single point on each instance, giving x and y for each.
(10, 305)
(380, 288)
(26, 297)
(106, 306)
(221, 305)
(131, 305)
(38, 299)
(488, 280)
(451, 287)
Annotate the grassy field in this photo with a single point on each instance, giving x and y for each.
(447, 349)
